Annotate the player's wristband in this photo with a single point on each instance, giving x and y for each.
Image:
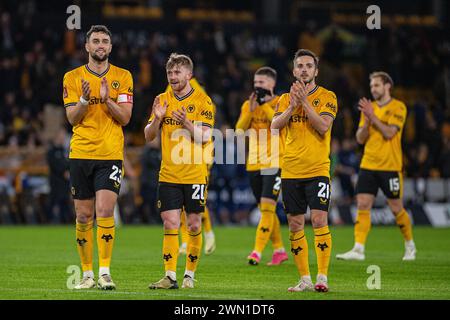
(83, 101)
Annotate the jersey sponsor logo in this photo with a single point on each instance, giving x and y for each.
(399, 117)
(115, 84)
(190, 108)
(298, 118)
(171, 122)
(95, 100)
(207, 114)
(331, 106)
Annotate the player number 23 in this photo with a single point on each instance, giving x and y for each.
(116, 174)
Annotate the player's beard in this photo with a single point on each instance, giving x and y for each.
(378, 95)
(306, 81)
(179, 86)
(99, 59)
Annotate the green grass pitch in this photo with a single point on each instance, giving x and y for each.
(34, 260)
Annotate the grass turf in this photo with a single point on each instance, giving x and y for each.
(34, 261)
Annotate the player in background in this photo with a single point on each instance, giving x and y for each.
(380, 130)
(256, 114)
(98, 98)
(307, 112)
(185, 118)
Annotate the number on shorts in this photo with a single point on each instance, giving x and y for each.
(394, 184)
(324, 191)
(199, 192)
(116, 175)
(277, 184)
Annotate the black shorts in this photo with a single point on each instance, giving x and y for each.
(176, 196)
(390, 182)
(89, 176)
(298, 194)
(265, 185)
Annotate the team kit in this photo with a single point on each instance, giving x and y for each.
(98, 99)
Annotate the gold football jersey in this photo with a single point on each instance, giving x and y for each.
(260, 136)
(183, 160)
(379, 153)
(306, 152)
(98, 136)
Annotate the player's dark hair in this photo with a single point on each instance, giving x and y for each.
(309, 53)
(267, 71)
(98, 28)
(179, 59)
(384, 76)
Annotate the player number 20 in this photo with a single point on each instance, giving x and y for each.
(199, 192)
(394, 184)
(277, 184)
(324, 191)
(116, 174)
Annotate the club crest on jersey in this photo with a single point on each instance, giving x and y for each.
(316, 102)
(190, 108)
(323, 200)
(115, 84)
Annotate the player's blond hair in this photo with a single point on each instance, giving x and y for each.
(384, 76)
(176, 59)
(267, 71)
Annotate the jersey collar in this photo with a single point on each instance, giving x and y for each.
(384, 104)
(313, 90)
(97, 74)
(185, 96)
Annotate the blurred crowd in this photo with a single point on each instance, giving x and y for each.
(35, 54)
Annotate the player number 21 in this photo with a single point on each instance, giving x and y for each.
(199, 192)
(324, 191)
